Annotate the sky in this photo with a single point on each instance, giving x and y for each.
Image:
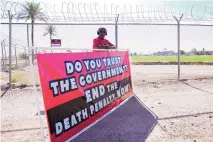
(138, 38)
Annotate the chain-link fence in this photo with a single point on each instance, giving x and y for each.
(149, 44)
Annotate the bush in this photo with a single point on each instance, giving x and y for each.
(182, 52)
(14, 80)
(22, 56)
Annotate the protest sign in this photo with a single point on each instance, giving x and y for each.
(79, 88)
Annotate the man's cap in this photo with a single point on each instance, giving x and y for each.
(100, 29)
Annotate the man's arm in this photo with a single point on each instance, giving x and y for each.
(111, 46)
(98, 47)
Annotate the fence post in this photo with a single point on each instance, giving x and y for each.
(116, 32)
(28, 42)
(5, 56)
(28, 39)
(10, 50)
(2, 44)
(25, 55)
(16, 56)
(178, 43)
(32, 71)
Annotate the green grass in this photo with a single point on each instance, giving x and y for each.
(172, 59)
(20, 77)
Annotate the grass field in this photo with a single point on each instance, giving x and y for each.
(172, 58)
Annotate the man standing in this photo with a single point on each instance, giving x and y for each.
(100, 42)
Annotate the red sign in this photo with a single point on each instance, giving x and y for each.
(79, 88)
(55, 42)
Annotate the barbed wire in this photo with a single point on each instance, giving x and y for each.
(93, 12)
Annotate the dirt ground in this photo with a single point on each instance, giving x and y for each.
(184, 109)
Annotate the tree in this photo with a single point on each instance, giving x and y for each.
(51, 30)
(182, 52)
(32, 11)
(194, 51)
(208, 53)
